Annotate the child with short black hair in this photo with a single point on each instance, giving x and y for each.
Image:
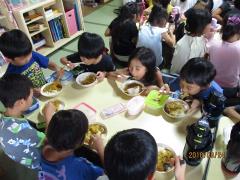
(66, 132)
(192, 44)
(18, 139)
(17, 50)
(141, 67)
(196, 79)
(91, 53)
(155, 30)
(132, 154)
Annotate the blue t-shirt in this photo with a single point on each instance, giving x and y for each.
(32, 69)
(72, 168)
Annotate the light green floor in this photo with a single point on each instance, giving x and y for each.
(96, 22)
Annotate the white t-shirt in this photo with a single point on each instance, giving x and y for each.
(184, 6)
(151, 37)
(186, 48)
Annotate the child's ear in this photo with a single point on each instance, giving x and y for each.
(19, 102)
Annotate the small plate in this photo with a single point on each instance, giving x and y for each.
(56, 102)
(87, 79)
(55, 88)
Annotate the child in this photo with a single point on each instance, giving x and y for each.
(192, 44)
(233, 112)
(66, 132)
(141, 67)
(124, 32)
(196, 79)
(17, 49)
(18, 139)
(156, 31)
(225, 57)
(91, 54)
(132, 154)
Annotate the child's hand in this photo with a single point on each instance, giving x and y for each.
(101, 75)
(165, 89)
(179, 168)
(60, 73)
(37, 92)
(48, 111)
(96, 143)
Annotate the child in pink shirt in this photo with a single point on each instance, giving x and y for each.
(225, 56)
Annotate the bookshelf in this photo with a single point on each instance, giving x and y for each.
(50, 24)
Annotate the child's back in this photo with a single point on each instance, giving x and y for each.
(66, 131)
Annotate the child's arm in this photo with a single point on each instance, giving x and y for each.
(66, 62)
(97, 143)
(232, 113)
(119, 74)
(194, 106)
(179, 169)
(159, 78)
(48, 111)
(169, 38)
(101, 75)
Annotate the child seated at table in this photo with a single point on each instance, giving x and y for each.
(66, 132)
(18, 139)
(141, 67)
(17, 50)
(91, 53)
(233, 112)
(196, 79)
(132, 154)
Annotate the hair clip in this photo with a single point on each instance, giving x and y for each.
(233, 20)
(2, 107)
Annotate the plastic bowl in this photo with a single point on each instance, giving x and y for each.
(93, 129)
(83, 77)
(52, 93)
(135, 105)
(60, 107)
(132, 91)
(156, 100)
(164, 164)
(176, 114)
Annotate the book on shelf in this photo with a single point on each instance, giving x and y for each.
(38, 41)
(56, 28)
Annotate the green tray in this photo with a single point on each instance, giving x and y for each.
(155, 100)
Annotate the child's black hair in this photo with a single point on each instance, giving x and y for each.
(128, 11)
(67, 129)
(130, 154)
(90, 45)
(164, 3)
(231, 26)
(197, 20)
(15, 43)
(148, 59)
(157, 15)
(198, 71)
(237, 4)
(14, 87)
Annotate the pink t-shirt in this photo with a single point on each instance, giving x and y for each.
(226, 58)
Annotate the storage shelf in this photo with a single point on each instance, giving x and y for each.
(37, 32)
(34, 20)
(47, 50)
(55, 15)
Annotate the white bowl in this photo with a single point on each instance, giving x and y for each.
(177, 114)
(53, 93)
(61, 106)
(81, 77)
(132, 91)
(164, 150)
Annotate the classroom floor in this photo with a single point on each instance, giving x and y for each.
(95, 21)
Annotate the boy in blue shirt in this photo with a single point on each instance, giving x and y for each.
(196, 80)
(17, 50)
(18, 139)
(66, 132)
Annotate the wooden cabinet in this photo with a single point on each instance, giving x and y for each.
(48, 23)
